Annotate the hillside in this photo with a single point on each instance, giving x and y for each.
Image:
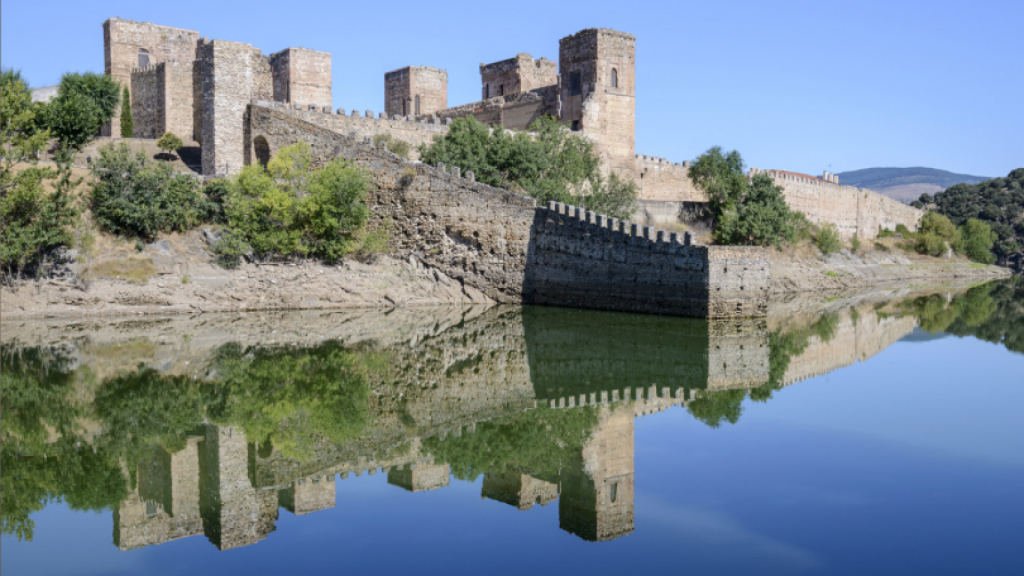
(905, 184)
(1000, 203)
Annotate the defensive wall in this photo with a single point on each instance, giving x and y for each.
(515, 75)
(852, 210)
(503, 245)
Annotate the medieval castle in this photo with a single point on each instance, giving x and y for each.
(208, 90)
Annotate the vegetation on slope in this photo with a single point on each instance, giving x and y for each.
(998, 202)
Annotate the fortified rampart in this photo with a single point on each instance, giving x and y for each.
(162, 100)
(852, 210)
(501, 244)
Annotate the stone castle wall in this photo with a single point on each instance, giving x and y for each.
(302, 76)
(586, 260)
(660, 179)
(232, 75)
(852, 210)
(162, 98)
(513, 111)
(122, 41)
(515, 75)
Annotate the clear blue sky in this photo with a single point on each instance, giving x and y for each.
(801, 86)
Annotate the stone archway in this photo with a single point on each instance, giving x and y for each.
(262, 150)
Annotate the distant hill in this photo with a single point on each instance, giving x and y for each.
(905, 184)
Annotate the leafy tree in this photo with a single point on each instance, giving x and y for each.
(976, 241)
(127, 121)
(134, 196)
(998, 202)
(84, 103)
(33, 222)
(549, 164)
(745, 212)
(714, 407)
(169, 142)
(926, 198)
(100, 89)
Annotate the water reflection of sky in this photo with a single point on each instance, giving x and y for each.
(910, 462)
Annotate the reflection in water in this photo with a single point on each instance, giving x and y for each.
(209, 426)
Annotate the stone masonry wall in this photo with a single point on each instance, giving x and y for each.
(362, 124)
(233, 74)
(402, 87)
(122, 40)
(499, 243)
(852, 210)
(162, 100)
(515, 75)
(660, 179)
(590, 261)
(513, 111)
(302, 76)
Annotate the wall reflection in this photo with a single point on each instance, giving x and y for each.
(209, 426)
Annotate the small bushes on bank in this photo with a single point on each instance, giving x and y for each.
(133, 196)
(827, 239)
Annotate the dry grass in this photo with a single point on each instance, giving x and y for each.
(136, 269)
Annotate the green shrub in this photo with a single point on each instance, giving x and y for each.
(939, 225)
(885, 232)
(84, 103)
(827, 239)
(931, 244)
(901, 229)
(882, 247)
(976, 241)
(290, 210)
(133, 196)
(855, 243)
(215, 193)
(169, 142)
(230, 248)
(398, 147)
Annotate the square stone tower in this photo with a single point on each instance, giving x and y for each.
(515, 75)
(302, 76)
(598, 92)
(415, 90)
(128, 44)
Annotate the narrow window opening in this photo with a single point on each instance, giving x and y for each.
(151, 510)
(501, 89)
(614, 492)
(575, 84)
(143, 57)
(487, 91)
(615, 78)
(417, 104)
(575, 125)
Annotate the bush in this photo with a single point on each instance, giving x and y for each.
(931, 244)
(230, 248)
(939, 225)
(902, 229)
(827, 239)
(398, 147)
(290, 210)
(133, 196)
(976, 241)
(169, 142)
(855, 243)
(215, 193)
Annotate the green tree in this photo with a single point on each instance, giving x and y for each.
(828, 240)
(976, 241)
(33, 222)
(100, 89)
(84, 103)
(714, 407)
(127, 120)
(169, 142)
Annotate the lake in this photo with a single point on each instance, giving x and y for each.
(876, 433)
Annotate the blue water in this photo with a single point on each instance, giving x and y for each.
(910, 462)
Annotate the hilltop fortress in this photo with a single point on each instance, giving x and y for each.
(206, 89)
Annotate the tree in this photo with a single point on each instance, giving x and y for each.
(100, 89)
(169, 142)
(549, 164)
(127, 121)
(33, 222)
(926, 198)
(828, 240)
(976, 241)
(84, 103)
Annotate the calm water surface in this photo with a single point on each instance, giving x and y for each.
(880, 433)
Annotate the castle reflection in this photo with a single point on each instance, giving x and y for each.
(270, 411)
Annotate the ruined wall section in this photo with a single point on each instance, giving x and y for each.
(161, 97)
(404, 87)
(852, 210)
(597, 68)
(122, 41)
(302, 76)
(581, 259)
(233, 74)
(515, 75)
(513, 111)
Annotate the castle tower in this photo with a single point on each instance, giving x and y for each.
(517, 489)
(128, 44)
(415, 91)
(420, 477)
(516, 75)
(302, 76)
(596, 502)
(598, 93)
